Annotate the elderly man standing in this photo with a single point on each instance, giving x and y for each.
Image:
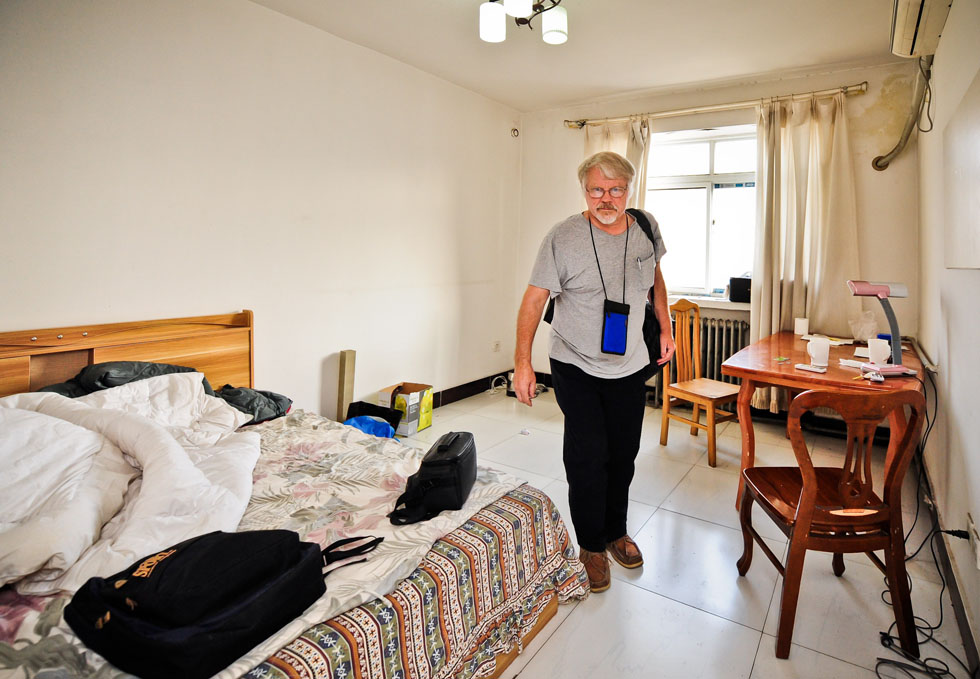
(599, 266)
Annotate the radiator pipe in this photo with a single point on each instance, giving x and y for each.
(926, 361)
(918, 98)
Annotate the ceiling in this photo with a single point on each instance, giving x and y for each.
(614, 46)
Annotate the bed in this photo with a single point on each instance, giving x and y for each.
(459, 596)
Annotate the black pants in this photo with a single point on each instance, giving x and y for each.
(603, 420)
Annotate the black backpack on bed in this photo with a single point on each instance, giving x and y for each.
(194, 608)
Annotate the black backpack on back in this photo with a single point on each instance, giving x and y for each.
(194, 608)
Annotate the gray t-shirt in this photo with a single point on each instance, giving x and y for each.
(566, 265)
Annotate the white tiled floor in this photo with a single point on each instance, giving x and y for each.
(687, 613)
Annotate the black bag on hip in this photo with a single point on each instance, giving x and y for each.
(443, 481)
(651, 337)
(194, 608)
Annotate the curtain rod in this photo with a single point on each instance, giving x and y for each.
(860, 88)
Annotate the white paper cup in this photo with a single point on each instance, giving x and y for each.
(879, 351)
(819, 350)
(801, 326)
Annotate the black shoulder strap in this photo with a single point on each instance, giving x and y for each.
(644, 223)
(348, 547)
(345, 552)
(413, 500)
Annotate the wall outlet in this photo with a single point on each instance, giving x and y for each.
(495, 346)
(971, 528)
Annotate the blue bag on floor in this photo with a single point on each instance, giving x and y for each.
(372, 426)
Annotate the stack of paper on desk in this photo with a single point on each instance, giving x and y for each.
(834, 341)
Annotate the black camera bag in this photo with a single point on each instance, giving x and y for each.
(194, 608)
(443, 481)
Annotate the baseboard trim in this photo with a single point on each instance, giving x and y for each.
(959, 610)
(955, 598)
(458, 393)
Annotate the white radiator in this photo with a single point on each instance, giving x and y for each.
(720, 338)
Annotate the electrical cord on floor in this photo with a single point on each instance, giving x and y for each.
(935, 529)
(918, 501)
(931, 667)
(920, 451)
(495, 386)
(499, 383)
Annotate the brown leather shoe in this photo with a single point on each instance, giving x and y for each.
(597, 568)
(625, 552)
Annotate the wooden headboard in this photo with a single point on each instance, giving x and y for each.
(218, 346)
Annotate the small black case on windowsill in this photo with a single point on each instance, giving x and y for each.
(740, 289)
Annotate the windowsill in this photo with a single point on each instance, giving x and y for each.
(707, 302)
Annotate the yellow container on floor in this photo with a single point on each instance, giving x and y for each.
(414, 400)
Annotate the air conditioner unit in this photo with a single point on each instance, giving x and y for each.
(916, 25)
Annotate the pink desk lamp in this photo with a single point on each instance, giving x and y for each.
(883, 291)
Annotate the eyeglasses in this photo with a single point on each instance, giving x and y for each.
(614, 192)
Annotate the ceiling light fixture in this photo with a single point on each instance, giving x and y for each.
(519, 8)
(493, 19)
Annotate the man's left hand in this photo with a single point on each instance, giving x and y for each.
(666, 348)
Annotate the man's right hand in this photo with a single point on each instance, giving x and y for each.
(525, 383)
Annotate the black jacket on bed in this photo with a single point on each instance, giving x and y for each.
(261, 405)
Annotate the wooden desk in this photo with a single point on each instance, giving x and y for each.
(756, 365)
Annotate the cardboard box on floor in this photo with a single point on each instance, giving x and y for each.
(415, 402)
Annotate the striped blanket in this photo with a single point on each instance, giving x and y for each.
(477, 592)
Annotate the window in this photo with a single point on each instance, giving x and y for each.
(701, 189)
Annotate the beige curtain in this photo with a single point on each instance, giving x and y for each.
(806, 238)
(629, 138)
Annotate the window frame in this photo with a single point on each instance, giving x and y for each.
(709, 181)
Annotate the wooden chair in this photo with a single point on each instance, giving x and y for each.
(837, 510)
(690, 386)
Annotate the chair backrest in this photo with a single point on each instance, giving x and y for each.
(862, 412)
(687, 338)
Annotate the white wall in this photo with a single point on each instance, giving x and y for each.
(169, 158)
(949, 322)
(886, 201)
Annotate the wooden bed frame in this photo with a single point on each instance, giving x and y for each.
(505, 659)
(218, 346)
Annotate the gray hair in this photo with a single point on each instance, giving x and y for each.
(611, 165)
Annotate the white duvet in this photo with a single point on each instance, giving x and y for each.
(90, 485)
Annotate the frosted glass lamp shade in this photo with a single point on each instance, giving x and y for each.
(493, 22)
(554, 26)
(518, 8)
